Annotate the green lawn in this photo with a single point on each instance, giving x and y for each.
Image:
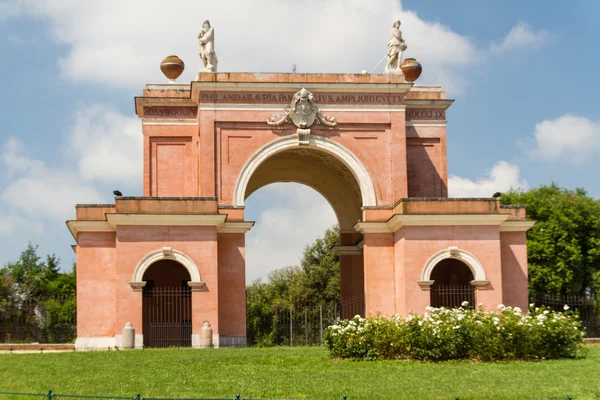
(293, 373)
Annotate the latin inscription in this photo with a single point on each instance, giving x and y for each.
(425, 114)
(285, 98)
(170, 112)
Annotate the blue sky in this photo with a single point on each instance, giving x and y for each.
(523, 75)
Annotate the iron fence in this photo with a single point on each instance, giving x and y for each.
(298, 324)
(588, 309)
(452, 296)
(48, 320)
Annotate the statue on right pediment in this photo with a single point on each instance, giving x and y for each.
(396, 47)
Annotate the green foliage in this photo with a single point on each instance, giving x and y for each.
(315, 281)
(563, 247)
(461, 333)
(37, 300)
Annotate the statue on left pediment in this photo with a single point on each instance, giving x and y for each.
(207, 47)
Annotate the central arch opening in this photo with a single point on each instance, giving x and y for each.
(294, 196)
(167, 305)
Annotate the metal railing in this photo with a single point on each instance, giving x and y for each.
(50, 396)
(300, 324)
(46, 320)
(588, 309)
(452, 296)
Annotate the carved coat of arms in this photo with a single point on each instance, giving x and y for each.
(302, 112)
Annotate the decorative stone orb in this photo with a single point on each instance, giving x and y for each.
(411, 68)
(172, 67)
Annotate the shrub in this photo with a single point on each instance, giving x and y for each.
(460, 333)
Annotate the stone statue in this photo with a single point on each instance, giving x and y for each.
(207, 47)
(396, 47)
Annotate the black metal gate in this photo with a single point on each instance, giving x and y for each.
(452, 296)
(167, 316)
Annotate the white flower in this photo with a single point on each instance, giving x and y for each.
(517, 310)
(566, 307)
(531, 305)
(501, 306)
(464, 303)
(546, 312)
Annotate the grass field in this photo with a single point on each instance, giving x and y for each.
(293, 373)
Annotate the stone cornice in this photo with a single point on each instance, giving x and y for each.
(347, 250)
(113, 220)
(236, 227)
(400, 220)
(88, 226)
(217, 220)
(440, 104)
(516, 226)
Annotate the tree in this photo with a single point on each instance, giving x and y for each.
(315, 281)
(563, 247)
(37, 300)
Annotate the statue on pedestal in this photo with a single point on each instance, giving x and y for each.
(207, 47)
(396, 46)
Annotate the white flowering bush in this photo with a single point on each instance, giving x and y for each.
(460, 333)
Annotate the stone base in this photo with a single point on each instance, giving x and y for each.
(105, 343)
(233, 341)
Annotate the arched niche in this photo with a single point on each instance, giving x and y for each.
(453, 252)
(166, 253)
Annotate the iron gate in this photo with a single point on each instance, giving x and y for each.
(452, 296)
(167, 316)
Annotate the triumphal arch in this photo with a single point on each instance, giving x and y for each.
(373, 145)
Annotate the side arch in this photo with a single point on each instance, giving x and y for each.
(165, 253)
(479, 277)
(353, 163)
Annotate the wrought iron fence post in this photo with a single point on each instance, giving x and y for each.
(305, 325)
(291, 329)
(321, 323)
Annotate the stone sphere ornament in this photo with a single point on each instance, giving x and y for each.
(412, 69)
(172, 67)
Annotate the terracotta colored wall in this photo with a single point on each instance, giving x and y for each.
(170, 160)
(379, 273)
(400, 273)
(96, 267)
(173, 167)
(198, 243)
(240, 134)
(232, 284)
(422, 242)
(514, 269)
(423, 168)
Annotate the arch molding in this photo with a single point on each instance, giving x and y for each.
(352, 162)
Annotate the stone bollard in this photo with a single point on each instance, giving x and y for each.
(206, 337)
(128, 338)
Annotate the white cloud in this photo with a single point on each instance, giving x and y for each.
(520, 36)
(574, 138)
(502, 177)
(121, 43)
(40, 191)
(103, 147)
(295, 218)
(108, 144)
